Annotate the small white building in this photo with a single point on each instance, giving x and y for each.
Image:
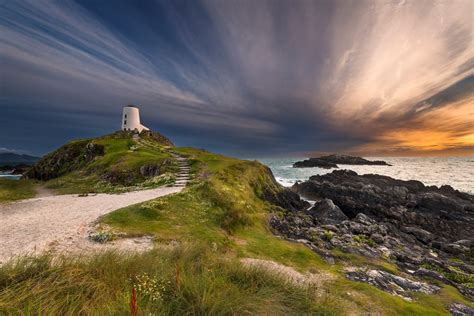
(131, 119)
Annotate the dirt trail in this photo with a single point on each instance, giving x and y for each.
(61, 221)
(42, 191)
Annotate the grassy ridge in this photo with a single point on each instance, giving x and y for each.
(13, 190)
(118, 170)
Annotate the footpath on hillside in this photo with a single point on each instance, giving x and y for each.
(62, 222)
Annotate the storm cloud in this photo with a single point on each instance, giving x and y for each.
(239, 76)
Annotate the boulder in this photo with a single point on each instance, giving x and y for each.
(326, 212)
(458, 309)
(285, 199)
(385, 281)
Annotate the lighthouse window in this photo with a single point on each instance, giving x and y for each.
(125, 122)
(125, 115)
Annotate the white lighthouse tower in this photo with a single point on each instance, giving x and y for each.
(131, 119)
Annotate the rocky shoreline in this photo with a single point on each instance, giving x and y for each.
(426, 231)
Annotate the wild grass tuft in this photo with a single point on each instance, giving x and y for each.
(188, 280)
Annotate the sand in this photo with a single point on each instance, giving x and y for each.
(61, 223)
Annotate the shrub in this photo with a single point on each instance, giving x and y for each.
(328, 235)
(101, 237)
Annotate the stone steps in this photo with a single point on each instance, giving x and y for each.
(183, 176)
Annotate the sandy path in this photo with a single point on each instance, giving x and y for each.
(61, 221)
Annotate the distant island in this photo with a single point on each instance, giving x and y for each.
(12, 159)
(332, 161)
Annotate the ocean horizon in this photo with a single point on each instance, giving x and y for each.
(457, 172)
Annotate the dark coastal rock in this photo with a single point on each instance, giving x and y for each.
(285, 199)
(458, 309)
(386, 281)
(422, 272)
(326, 213)
(314, 162)
(351, 160)
(427, 213)
(421, 229)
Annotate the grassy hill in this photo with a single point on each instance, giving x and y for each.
(201, 237)
(113, 163)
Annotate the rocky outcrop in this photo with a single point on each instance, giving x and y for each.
(458, 309)
(69, 157)
(284, 198)
(314, 162)
(151, 170)
(326, 212)
(392, 283)
(332, 161)
(426, 231)
(157, 137)
(426, 213)
(352, 160)
(129, 177)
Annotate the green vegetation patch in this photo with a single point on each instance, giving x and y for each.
(12, 190)
(111, 164)
(187, 280)
(454, 274)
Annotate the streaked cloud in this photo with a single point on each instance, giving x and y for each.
(256, 77)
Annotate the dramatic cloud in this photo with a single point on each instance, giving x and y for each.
(244, 77)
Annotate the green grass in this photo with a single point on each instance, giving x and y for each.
(12, 190)
(123, 158)
(188, 280)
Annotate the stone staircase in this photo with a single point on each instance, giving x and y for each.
(182, 177)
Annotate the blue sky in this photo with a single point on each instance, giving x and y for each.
(247, 78)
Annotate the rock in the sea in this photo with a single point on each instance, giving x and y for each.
(351, 160)
(332, 161)
(314, 162)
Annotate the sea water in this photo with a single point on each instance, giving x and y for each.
(457, 172)
(6, 175)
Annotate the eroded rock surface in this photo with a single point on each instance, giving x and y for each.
(426, 231)
(391, 283)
